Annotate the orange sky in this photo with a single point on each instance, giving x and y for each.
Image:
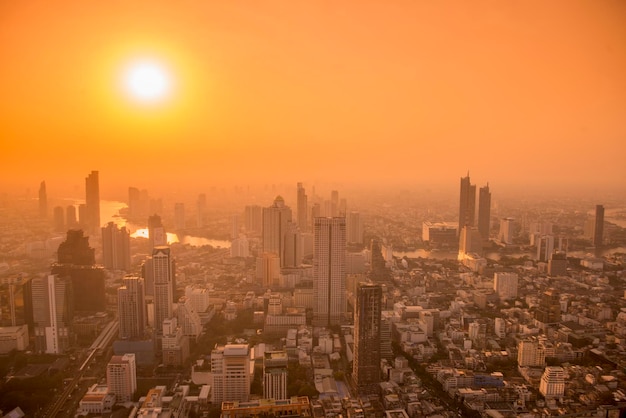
(518, 92)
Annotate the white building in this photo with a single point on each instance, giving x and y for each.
(122, 377)
(505, 235)
(552, 385)
(275, 375)
(13, 338)
(230, 373)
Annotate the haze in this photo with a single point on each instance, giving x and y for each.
(528, 93)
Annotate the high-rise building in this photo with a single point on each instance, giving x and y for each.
(470, 242)
(122, 377)
(293, 246)
(92, 201)
(505, 285)
(163, 276)
(484, 212)
(545, 248)
(58, 219)
(131, 308)
(275, 375)
(334, 204)
(367, 336)
(157, 236)
(71, 220)
(549, 309)
(115, 247)
(354, 225)
(557, 265)
(201, 207)
(276, 219)
(188, 318)
(76, 260)
(467, 203)
(329, 271)
(552, 384)
(302, 209)
(179, 216)
(52, 313)
(234, 226)
(531, 353)
(230, 373)
(598, 226)
(268, 270)
(253, 220)
(43, 201)
(505, 236)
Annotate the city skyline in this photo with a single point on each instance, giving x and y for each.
(516, 93)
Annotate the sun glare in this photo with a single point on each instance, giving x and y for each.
(147, 81)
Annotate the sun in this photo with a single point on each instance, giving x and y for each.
(147, 81)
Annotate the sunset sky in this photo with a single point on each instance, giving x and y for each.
(411, 92)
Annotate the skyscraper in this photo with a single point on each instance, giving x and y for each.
(76, 260)
(52, 313)
(302, 209)
(43, 201)
(276, 219)
(230, 373)
(484, 212)
(122, 377)
(115, 247)
(355, 228)
(329, 271)
(157, 236)
(163, 272)
(131, 308)
(598, 226)
(505, 285)
(179, 216)
(367, 336)
(467, 203)
(253, 220)
(549, 309)
(92, 201)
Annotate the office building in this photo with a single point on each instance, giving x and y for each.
(71, 220)
(77, 261)
(293, 247)
(179, 216)
(131, 308)
(240, 247)
(230, 373)
(505, 235)
(531, 353)
(367, 317)
(174, 344)
(268, 270)
(275, 375)
(549, 309)
(276, 219)
(470, 242)
(329, 271)
(440, 234)
(552, 384)
(52, 313)
(115, 247)
(484, 212)
(58, 219)
(598, 226)
(557, 265)
(545, 248)
(188, 318)
(467, 203)
(505, 285)
(302, 209)
(253, 220)
(163, 276)
(43, 201)
(157, 236)
(122, 377)
(92, 202)
(354, 224)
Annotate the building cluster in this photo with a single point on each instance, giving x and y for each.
(339, 324)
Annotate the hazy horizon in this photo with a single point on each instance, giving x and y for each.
(528, 96)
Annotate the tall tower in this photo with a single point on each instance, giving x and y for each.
(276, 219)
(43, 200)
(115, 247)
(329, 271)
(163, 272)
(355, 228)
(484, 211)
(367, 336)
(92, 201)
(598, 226)
(467, 203)
(131, 308)
(179, 216)
(302, 208)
